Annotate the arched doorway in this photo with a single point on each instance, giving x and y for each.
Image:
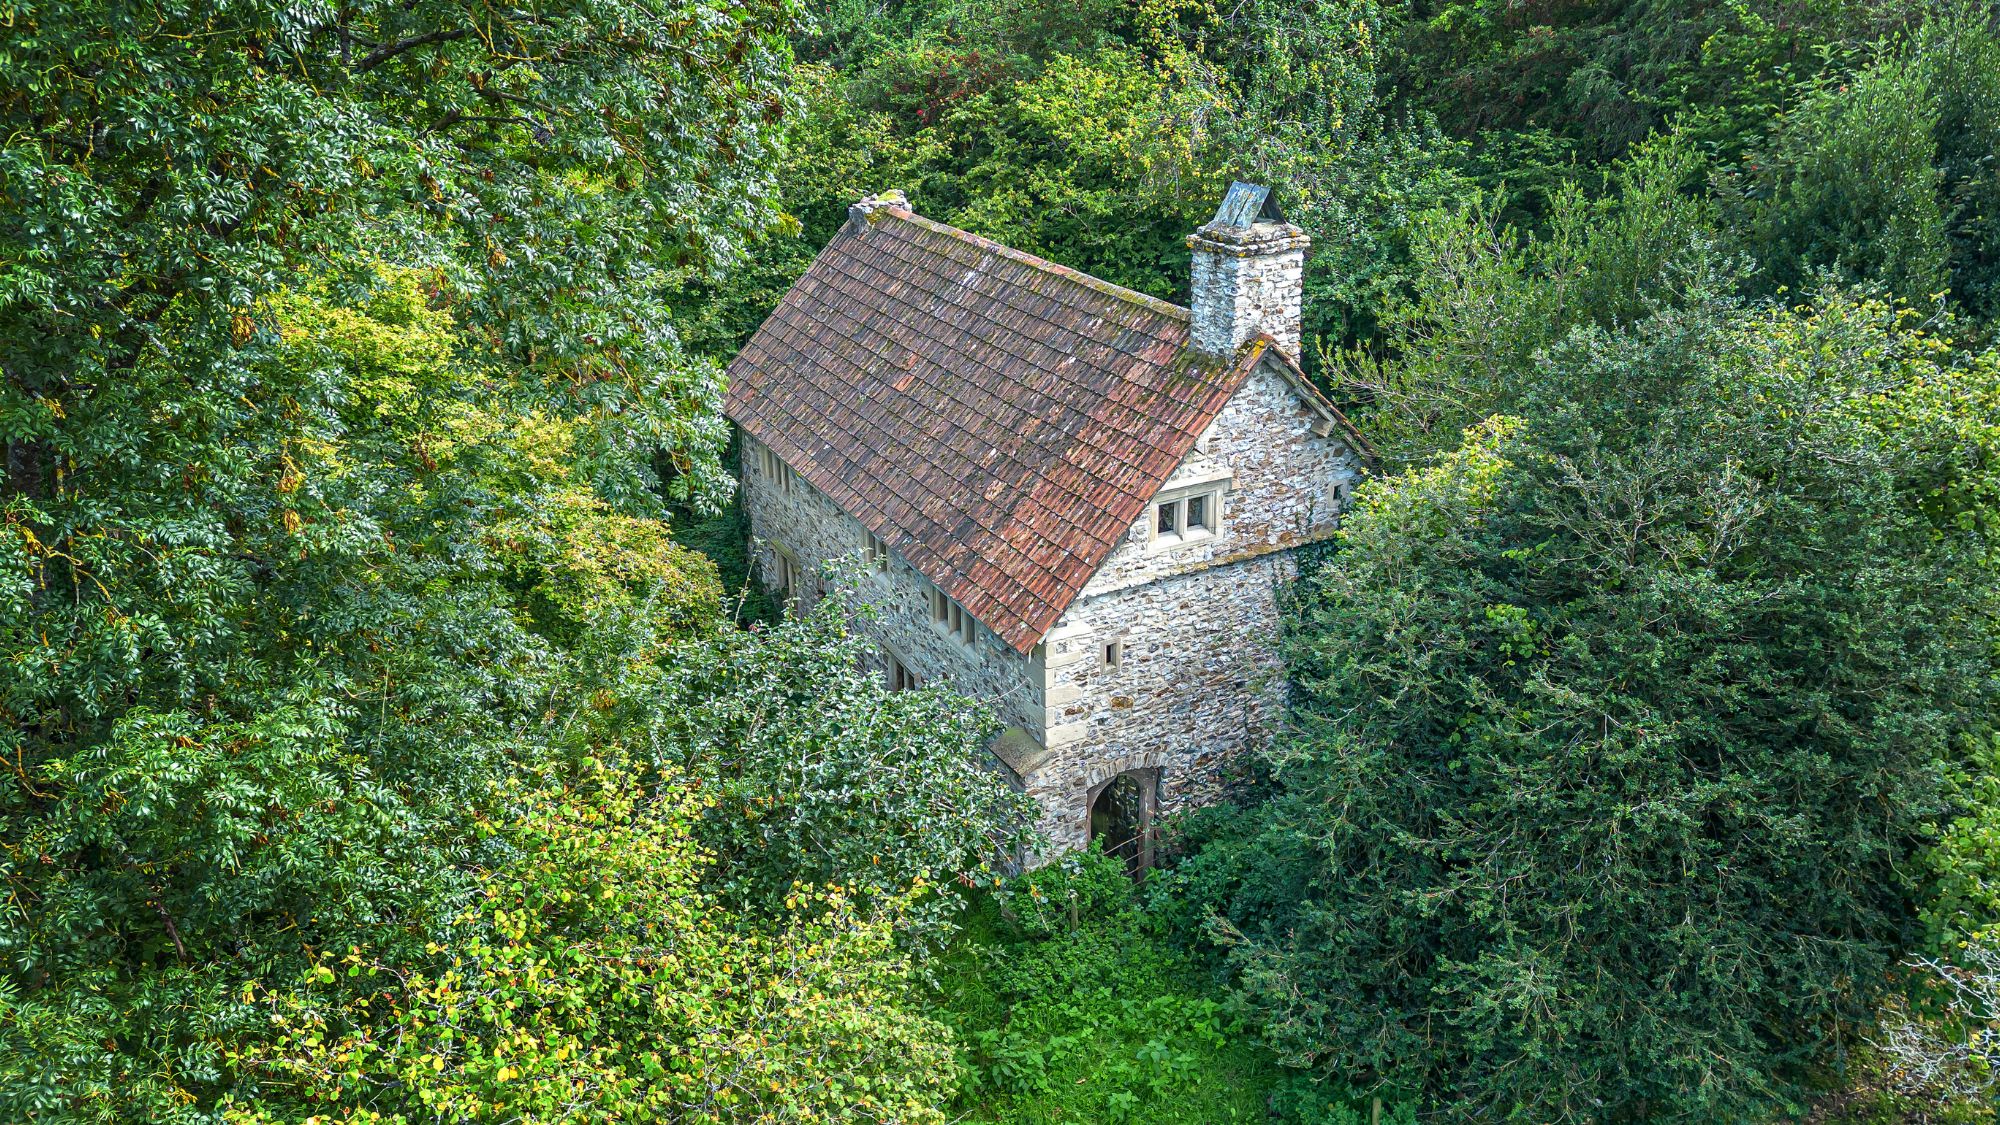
(1121, 818)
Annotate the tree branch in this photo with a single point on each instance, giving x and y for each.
(388, 51)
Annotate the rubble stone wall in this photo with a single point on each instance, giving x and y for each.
(893, 603)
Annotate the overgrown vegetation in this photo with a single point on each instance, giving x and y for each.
(1068, 1008)
(393, 733)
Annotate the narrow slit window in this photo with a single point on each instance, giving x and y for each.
(788, 577)
(900, 676)
(1114, 653)
(877, 551)
(951, 618)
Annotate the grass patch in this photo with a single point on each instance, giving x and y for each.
(1070, 1007)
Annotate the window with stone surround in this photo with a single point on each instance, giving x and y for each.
(1186, 517)
(876, 551)
(1114, 654)
(788, 576)
(951, 618)
(776, 471)
(899, 675)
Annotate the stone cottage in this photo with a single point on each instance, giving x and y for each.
(1071, 500)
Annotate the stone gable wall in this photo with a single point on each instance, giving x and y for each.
(1287, 487)
(1198, 683)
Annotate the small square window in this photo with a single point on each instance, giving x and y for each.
(1114, 653)
(1170, 518)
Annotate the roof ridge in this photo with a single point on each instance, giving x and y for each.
(1057, 269)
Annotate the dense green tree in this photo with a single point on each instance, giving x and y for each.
(1294, 97)
(1545, 92)
(1959, 52)
(1850, 182)
(336, 365)
(262, 671)
(167, 167)
(1464, 341)
(1621, 729)
(595, 978)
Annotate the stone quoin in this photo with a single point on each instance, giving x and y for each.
(1069, 500)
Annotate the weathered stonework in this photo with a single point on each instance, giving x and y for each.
(998, 417)
(1198, 679)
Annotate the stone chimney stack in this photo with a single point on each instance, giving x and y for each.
(858, 211)
(1249, 271)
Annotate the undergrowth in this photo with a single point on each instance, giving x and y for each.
(1070, 1006)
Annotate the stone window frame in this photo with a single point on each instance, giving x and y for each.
(1172, 505)
(776, 471)
(897, 672)
(789, 575)
(874, 552)
(1111, 654)
(951, 619)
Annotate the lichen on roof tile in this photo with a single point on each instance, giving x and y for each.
(999, 420)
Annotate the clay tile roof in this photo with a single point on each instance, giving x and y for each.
(996, 419)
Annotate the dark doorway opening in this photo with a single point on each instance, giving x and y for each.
(1121, 819)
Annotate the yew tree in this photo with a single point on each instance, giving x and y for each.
(1621, 730)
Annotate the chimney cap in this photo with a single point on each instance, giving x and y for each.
(1247, 205)
(869, 204)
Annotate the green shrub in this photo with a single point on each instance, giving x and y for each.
(1069, 1008)
(1059, 898)
(592, 978)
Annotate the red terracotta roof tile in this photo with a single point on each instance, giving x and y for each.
(996, 419)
